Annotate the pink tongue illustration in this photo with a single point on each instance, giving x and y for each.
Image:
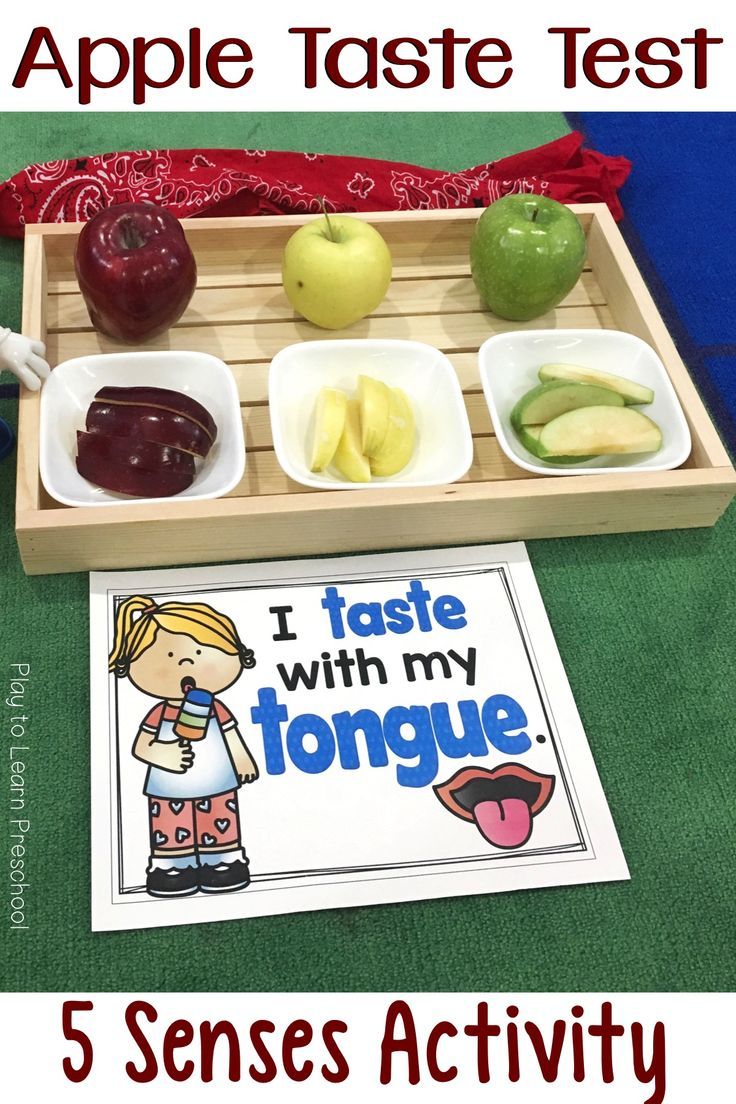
(505, 823)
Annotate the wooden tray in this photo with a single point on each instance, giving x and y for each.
(239, 313)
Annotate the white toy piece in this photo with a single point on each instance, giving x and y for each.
(24, 358)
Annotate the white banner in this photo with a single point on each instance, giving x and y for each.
(332, 56)
(571, 1048)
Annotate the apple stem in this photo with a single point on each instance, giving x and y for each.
(535, 212)
(331, 234)
(130, 235)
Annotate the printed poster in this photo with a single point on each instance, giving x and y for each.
(281, 737)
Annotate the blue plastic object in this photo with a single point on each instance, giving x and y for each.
(7, 439)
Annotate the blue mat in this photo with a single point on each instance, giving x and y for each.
(680, 225)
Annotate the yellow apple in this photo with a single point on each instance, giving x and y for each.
(349, 459)
(398, 444)
(336, 270)
(329, 422)
(375, 400)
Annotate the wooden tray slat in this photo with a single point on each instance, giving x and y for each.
(268, 303)
(249, 342)
(260, 274)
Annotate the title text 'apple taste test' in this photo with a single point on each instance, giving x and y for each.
(350, 62)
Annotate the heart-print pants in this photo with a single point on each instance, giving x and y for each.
(187, 827)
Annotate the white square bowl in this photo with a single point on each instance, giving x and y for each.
(509, 363)
(444, 449)
(72, 386)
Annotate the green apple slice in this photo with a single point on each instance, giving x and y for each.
(349, 459)
(529, 437)
(398, 444)
(329, 422)
(633, 393)
(375, 401)
(548, 400)
(599, 430)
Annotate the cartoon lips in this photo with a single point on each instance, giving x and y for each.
(501, 802)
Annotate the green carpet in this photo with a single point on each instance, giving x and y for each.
(644, 625)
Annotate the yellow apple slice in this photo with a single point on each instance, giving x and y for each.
(349, 459)
(375, 400)
(329, 422)
(398, 444)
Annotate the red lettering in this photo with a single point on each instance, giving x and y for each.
(41, 36)
(195, 57)
(150, 1069)
(656, 1071)
(209, 1034)
(391, 56)
(569, 55)
(141, 79)
(390, 1045)
(549, 1064)
(448, 42)
(179, 1034)
(701, 42)
(297, 1035)
(476, 57)
(483, 1031)
(341, 1071)
(578, 1053)
(332, 63)
(643, 54)
(594, 57)
(443, 1028)
(607, 1030)
(512, 1037)
(72, 1034)
(310, 51)
(216, 57)
(87, 80)
(258, 1029)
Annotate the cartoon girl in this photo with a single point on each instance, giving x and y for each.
(168, 651)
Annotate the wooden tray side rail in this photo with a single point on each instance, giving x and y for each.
(239, 313)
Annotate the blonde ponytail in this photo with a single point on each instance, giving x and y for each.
(138, 619)
(134, 632)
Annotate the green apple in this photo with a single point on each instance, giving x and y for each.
(329, 422)
(599, 430)
(336, 270)
(526, 254)
(529, 436)
(548, 400)
(632, 392)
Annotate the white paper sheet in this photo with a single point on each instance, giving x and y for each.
(341, 815)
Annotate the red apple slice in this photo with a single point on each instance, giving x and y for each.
(148, 423)
(164, 399)
(132, 467)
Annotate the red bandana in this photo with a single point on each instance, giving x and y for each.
(193, 183)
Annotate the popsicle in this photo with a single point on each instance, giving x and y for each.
(194, 715)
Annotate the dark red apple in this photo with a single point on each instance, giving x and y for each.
(133, 467)
(148, 423)
(164, 399)
(135, 270)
